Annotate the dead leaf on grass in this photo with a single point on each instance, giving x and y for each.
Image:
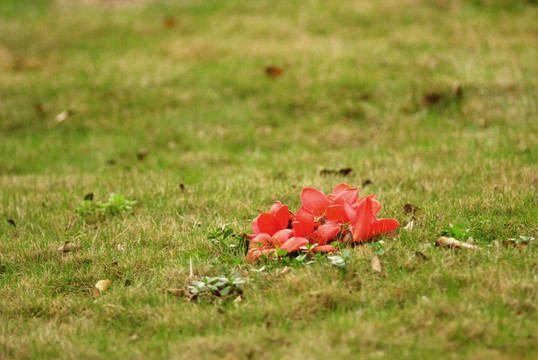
(414, 258)
(376, 264)
(285, 270)
(238, 299)
(457, 90)
(142, 153)
(433, 98)
(420, 255)
(342, 171)
(12, 222)
(274, 71)
(453, 243)
(61, 117)
(516, 244)
(409, 226)
(169, 22)
(101, 286)
(68, 247)
(410, 208)
(366, 182)
(39, 109)
(175, 291)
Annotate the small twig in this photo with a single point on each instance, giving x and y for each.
(191, 272)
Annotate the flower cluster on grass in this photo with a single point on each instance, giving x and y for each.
(321, 224)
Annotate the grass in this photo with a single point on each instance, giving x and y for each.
(183, 120)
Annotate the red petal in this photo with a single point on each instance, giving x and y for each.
(282, 215)
(324, 248)
(298, 229)
(326, 232)
(268, 252)
(376, 206)
(382, 226)
(294, 243)
(314, 200)
(337, 213)
(340, 188)
(349, 195)
(253, 255)
(255, 227)
(276, 206)
(260, 241)
(361, 225)
(351, 213)
(268, 224)
(306, 218)
(281, 236)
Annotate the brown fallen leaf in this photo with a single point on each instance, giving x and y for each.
(453, 243)
(342, 171)
(238, 299)
(366, 182)
(517, 244)
(376, 264)
(12, 222)
(420, 255)
(175, 292)
(39, 109)
(285, 270)
(410, 208)
(433, 98)
(101, 286)
(412, 260)
(142, 153)
(68, 247)
(169, 22)
(274, 71)
(457, 90)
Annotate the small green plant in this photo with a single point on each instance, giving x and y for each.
(231, 247)
(115, 205)
(220, 286)
(341, 259)
(378, 247)
(457, 231)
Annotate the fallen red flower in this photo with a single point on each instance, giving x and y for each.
(320, 219)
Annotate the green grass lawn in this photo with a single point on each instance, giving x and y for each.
(431, 103)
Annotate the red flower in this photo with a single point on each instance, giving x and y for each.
(320, 219)
(317, 203)
(276, 219)
(365, 225)
(265, 244)
(342, 206)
